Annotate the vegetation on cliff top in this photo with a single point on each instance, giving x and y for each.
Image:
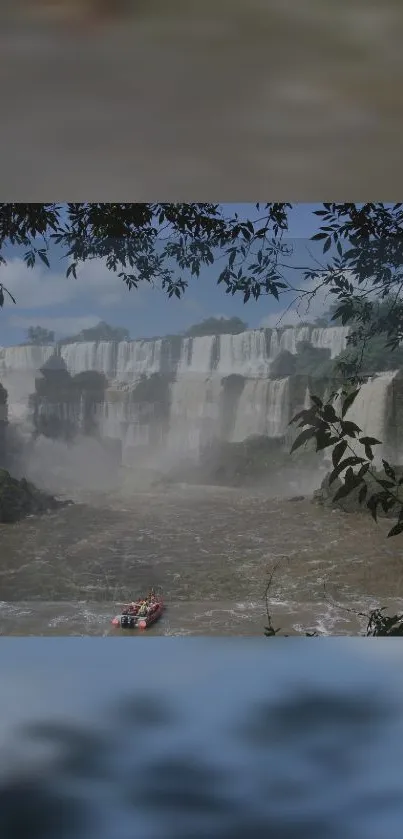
(101, 332)
(217, 326)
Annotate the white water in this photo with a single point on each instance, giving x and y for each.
(248, 354)
(244, 354)
(196, 396)
(333, 339)
(370, 410)
(195, 413)
(263, 408)
(134, 358)
(90, 355)
(18, 367)
(196, 355)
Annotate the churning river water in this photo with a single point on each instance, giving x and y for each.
(211, 550)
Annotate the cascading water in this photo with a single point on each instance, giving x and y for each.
(369, 411)
(371, 408)
(136, 358)
(196, 355)
(289, 338)
(244, 354)
(18, 368)
(200, 366)
(90, 355)
(333, 338)
(248, 354)
(263, 409)
(195, 413)
(120, 420)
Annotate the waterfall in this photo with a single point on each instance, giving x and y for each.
(199, 366)
(248, 354)
(27, 357)
(18, 368)
(244, 354)
(119, 420)
(196, 355)
(291, 337)
(136, 358)
(195, 413)
(90, 355)
(371, 407)
(333, 338)
(263, 409)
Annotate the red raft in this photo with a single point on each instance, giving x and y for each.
(135, 616)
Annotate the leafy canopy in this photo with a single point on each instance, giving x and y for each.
(40, 336)
(217, 326)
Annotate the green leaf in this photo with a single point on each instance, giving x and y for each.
(349, 401)
(327, 244)
(349, 428)
(386, 484)
(343, 492)
(338, 452)
(329, 414)
(297, 417)
(349, 461)
(303, 438)
(398, 528)
(387, 503)
(362, 493)
(369, 441)
(44, 258)
(389, 471)
(372, 505)
(72, 270)
(368, 452)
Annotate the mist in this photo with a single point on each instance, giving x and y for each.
(61, 467)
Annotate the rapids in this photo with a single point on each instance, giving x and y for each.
(210, 550)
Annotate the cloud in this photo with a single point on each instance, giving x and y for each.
(302, 308)
(60, 325)
(105, 286)
(281, 318)
(40, 287)
(34, 288)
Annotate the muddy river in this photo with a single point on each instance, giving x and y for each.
(211, 551)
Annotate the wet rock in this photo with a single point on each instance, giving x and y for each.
(324, 496)
(20, 498)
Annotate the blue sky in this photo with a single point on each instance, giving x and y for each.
(47, 298)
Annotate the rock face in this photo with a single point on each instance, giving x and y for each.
(21, 498)
(259, 460)
(350, 504)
